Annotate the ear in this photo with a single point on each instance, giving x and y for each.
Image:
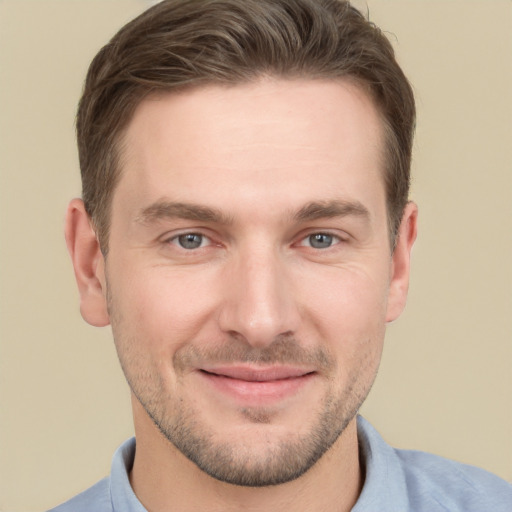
(400, 262)
(88, 264)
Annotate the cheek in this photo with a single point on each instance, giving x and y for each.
(348, 315)
(350, 300)
(160, 307)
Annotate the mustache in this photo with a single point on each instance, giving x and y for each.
(284, 350)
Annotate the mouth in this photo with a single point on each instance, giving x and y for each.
(253, 385)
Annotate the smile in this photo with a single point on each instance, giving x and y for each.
(256, 385)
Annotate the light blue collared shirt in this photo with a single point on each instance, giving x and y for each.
(395, 481)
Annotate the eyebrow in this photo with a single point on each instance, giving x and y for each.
(164, 209)
(328, 209)
(314, 210)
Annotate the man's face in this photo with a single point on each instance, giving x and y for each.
(249, 270)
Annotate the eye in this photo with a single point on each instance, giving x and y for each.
(320, 240)
(190, 241)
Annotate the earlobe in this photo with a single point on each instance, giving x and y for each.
(88, 264)
(400, 264)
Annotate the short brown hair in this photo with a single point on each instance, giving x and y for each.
(187, 43)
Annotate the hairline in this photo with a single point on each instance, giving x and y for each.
(102, 220)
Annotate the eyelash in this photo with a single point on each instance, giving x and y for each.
(175, 240)
(335, 239)
(178, 239)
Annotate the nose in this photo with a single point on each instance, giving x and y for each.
(258, 300)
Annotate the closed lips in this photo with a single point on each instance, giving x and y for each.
(252, 374)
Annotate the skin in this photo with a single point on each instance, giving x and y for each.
(268, 334)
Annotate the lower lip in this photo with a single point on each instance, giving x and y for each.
(257, 392)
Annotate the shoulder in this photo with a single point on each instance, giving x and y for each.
(95, 499)
(453, 486)
(414, 481)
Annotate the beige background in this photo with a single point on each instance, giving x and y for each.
(445, 383)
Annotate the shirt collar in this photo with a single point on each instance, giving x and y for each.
(121, 492)
(384, 488)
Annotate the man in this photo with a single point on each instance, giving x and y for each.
(245, 229)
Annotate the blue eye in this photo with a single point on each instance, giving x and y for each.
(190, 240)
(321, 240)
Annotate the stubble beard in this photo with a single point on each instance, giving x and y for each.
(281, 460)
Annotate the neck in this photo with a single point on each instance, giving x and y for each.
(163, 479)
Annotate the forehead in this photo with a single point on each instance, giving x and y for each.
(278, 137)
